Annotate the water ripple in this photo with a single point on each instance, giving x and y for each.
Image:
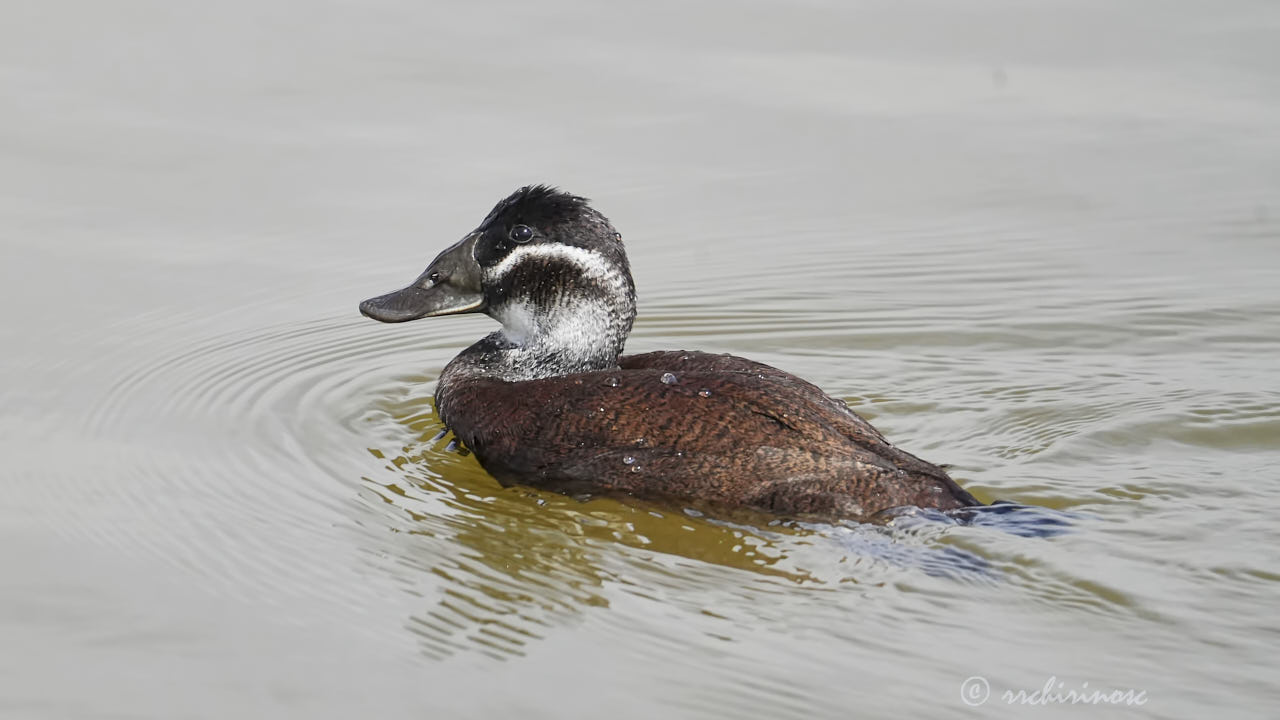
(246, 450)
(231, 445)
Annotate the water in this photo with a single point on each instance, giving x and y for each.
(1040, 244)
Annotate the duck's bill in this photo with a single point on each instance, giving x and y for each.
(415, 302)
(449, 286)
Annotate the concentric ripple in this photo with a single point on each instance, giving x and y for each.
(241, 456)
(236, 444)
(254, 457)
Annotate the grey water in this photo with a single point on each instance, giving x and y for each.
(1037, 242)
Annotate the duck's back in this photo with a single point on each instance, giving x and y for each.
(692, 425)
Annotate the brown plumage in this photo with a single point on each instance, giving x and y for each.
(548, 400)
(720, 428)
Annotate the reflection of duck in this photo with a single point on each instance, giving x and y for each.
(510, 570)
(548, 400)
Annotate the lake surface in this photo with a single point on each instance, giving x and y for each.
(1038, 243)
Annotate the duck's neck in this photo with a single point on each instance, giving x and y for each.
(575, 334)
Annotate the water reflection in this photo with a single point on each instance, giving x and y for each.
(516, 561)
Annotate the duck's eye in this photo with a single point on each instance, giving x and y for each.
(521, 234)
(434, 277)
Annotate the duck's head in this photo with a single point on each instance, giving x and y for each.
(543, 263)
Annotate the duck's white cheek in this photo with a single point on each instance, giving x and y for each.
(579, 327)
(519, 321)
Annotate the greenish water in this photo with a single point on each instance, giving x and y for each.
(1040, 244)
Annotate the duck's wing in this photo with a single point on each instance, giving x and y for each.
(676, 361)
(713, 427)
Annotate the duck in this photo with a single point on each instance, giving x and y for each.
(549, 400)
